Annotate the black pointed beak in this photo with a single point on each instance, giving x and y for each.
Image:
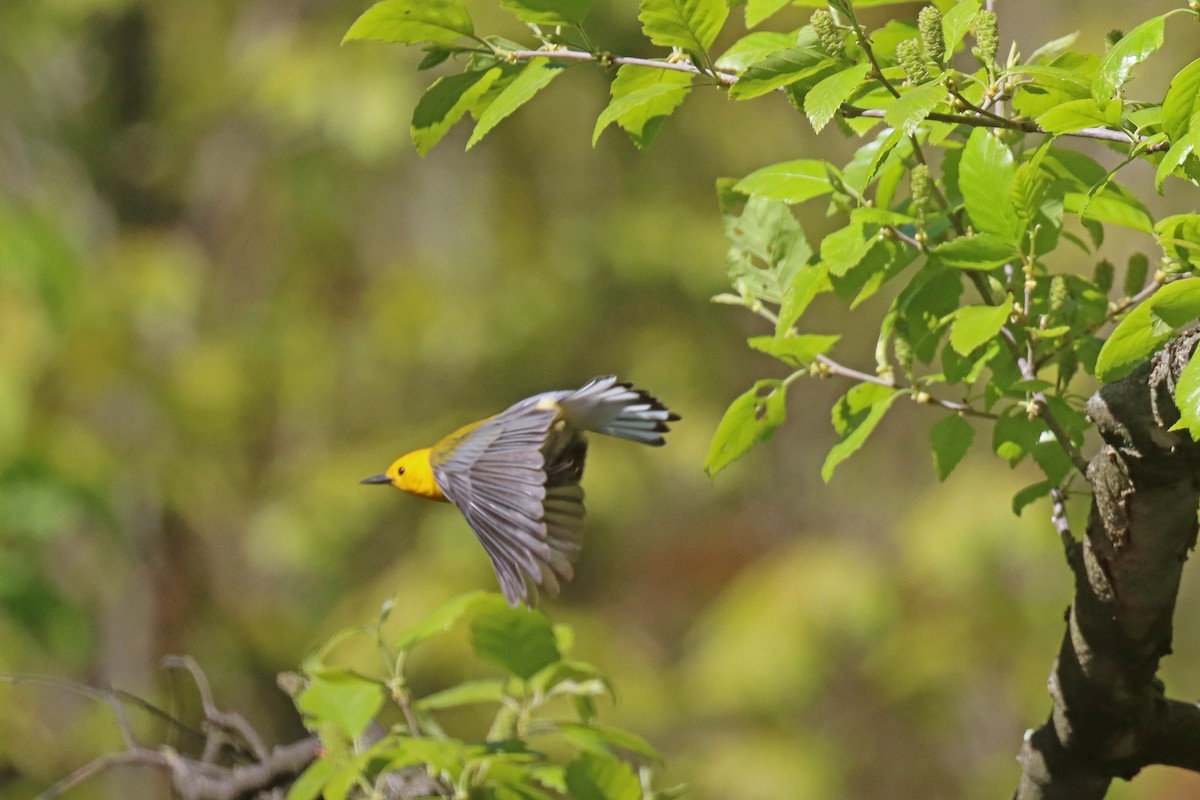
(376, 479)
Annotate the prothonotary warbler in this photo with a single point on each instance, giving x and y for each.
(515, 476)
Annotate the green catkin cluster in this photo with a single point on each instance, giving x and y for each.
(1059, 294)
(929, 23)
(1103, 276)
(912, 58)
(987, 36)
(827, 32)
(1135, 273)
(921, 187)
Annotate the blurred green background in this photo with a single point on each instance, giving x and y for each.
(229, 289)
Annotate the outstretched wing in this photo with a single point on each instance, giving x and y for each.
(495, 474)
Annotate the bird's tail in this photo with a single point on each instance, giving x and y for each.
(617, 409)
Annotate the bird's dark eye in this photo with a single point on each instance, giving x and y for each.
(399, 470)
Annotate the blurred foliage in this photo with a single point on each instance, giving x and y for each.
(229, 290)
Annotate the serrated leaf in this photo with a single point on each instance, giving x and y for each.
(789, 181)
(778, 69)
(444, 103)
(824, 99)
(1114, 204)
(855, 416)
(956, 22)
(986, 173)
(413, 22)
(591, 776)
(1014, 435)
(750, 419)
(950, 438)
(1147, 327)
(1076, 115)
(983, 251)
(975, 325)
(753, 47)
(1187, 398)
(1179, 237)
(807, 283)
(609, 741)
(765, 233)
(535, 76)
(518, 640)
(463, 694)
(641, 99)
(1133, 48)
(795, 350)
(1050, 88)
(910, 109)
(1182, 101)
(637, 103)
(1028, 188)
(342, 699)
(760, 10)
(1177, 154)
(548, 12)
(845, 248)
(690, 24)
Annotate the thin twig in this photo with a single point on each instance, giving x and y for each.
(100, 765)
(832, 367)
(564, 54)
(224, 720)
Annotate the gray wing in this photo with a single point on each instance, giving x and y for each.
(496, 477)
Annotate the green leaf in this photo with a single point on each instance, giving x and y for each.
(1133, 48)
(956, 22)
(1028, 189)
(1114, 204)
(766, 233)
(911, 108)
(444, 104)
(759, 10)
(548, 12)
(609, 741)
(536, 75)
(1182, 101)
(976, 325)
(788, 182)
(1050, 88)
(1076, 115)
(845, 248)
(690, 24)
(1147, 327)
(986, 173)
(855, 415)
(413, 22)
(750, 419)
(951, 438)
(518, 640)
(310, 783)
(778, 69)
(800, 292)
(641, 99)
(794, 350)
(1177, 154)
(595, 777)
(441, 620)
(1014, 435)
(983, 251)
(1179, 237)
(463, 694)
(1029, 494)
(435, 754)
(753, 47)
(1187, 398)
(342, 699)
(823, 100)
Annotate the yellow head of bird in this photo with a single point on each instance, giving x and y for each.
(411, 473)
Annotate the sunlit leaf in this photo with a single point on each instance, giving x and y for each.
(759, 10)
(441, 620)
(549, 12)
(310, 783)
(413, 22)
(789, 181)
(823, 100)
(956, 22)
(750, 419)
(1182, 101)
(1014, 435)
(1076, 115)
(753, 47)
(535, 76)
(609, 741)
(1029, 494)
(690, 24)
(1114, 204)
(855, 416)
(778, 69)
(975, 325)
(986, 173)
(794, 350)
(910, 109)
(462, 694)
(445, 102)
(591, 776)
(1147, 327)
(976, 252)
(342, 699)
(1187, 398)
(1133, 48)
(641, 99)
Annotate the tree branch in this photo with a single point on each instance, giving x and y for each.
(1110, 716)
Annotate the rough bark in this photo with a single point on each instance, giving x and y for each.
(1110, 715)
